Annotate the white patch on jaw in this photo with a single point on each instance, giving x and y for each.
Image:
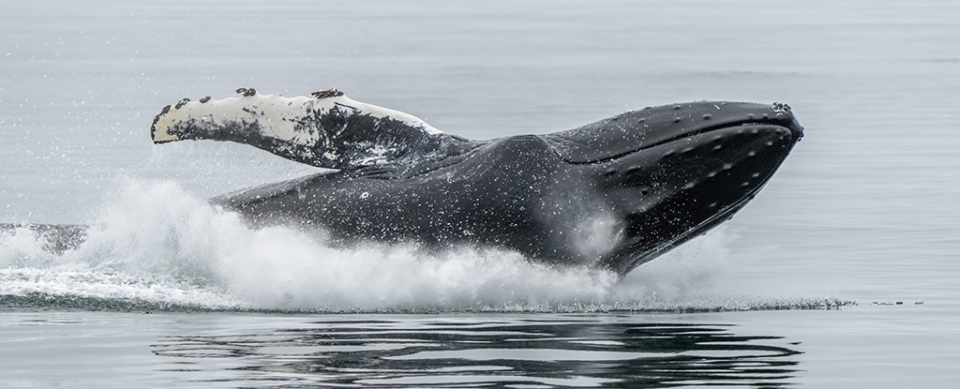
(582, 222)
(278, 116)
(596, 233)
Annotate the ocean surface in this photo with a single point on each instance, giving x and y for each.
(843, 272)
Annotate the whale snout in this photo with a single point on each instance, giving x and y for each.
(634, 131)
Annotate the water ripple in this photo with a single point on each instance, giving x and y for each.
(579, 352)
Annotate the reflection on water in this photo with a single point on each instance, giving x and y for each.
(570, 352)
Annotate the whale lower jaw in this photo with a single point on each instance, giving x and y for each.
(625, 259)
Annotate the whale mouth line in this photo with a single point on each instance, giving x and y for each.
(705, 130)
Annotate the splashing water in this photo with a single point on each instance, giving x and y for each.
(157, 247)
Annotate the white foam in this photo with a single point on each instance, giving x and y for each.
(156, 243)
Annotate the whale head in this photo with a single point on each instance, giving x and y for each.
(673, 172)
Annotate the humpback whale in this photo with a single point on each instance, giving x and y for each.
(612, 194)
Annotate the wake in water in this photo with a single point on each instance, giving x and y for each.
(157, 247)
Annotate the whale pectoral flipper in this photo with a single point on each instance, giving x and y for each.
(328, 130)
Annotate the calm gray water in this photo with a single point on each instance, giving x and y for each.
(843, 272)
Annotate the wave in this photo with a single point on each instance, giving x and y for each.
(156, 247)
